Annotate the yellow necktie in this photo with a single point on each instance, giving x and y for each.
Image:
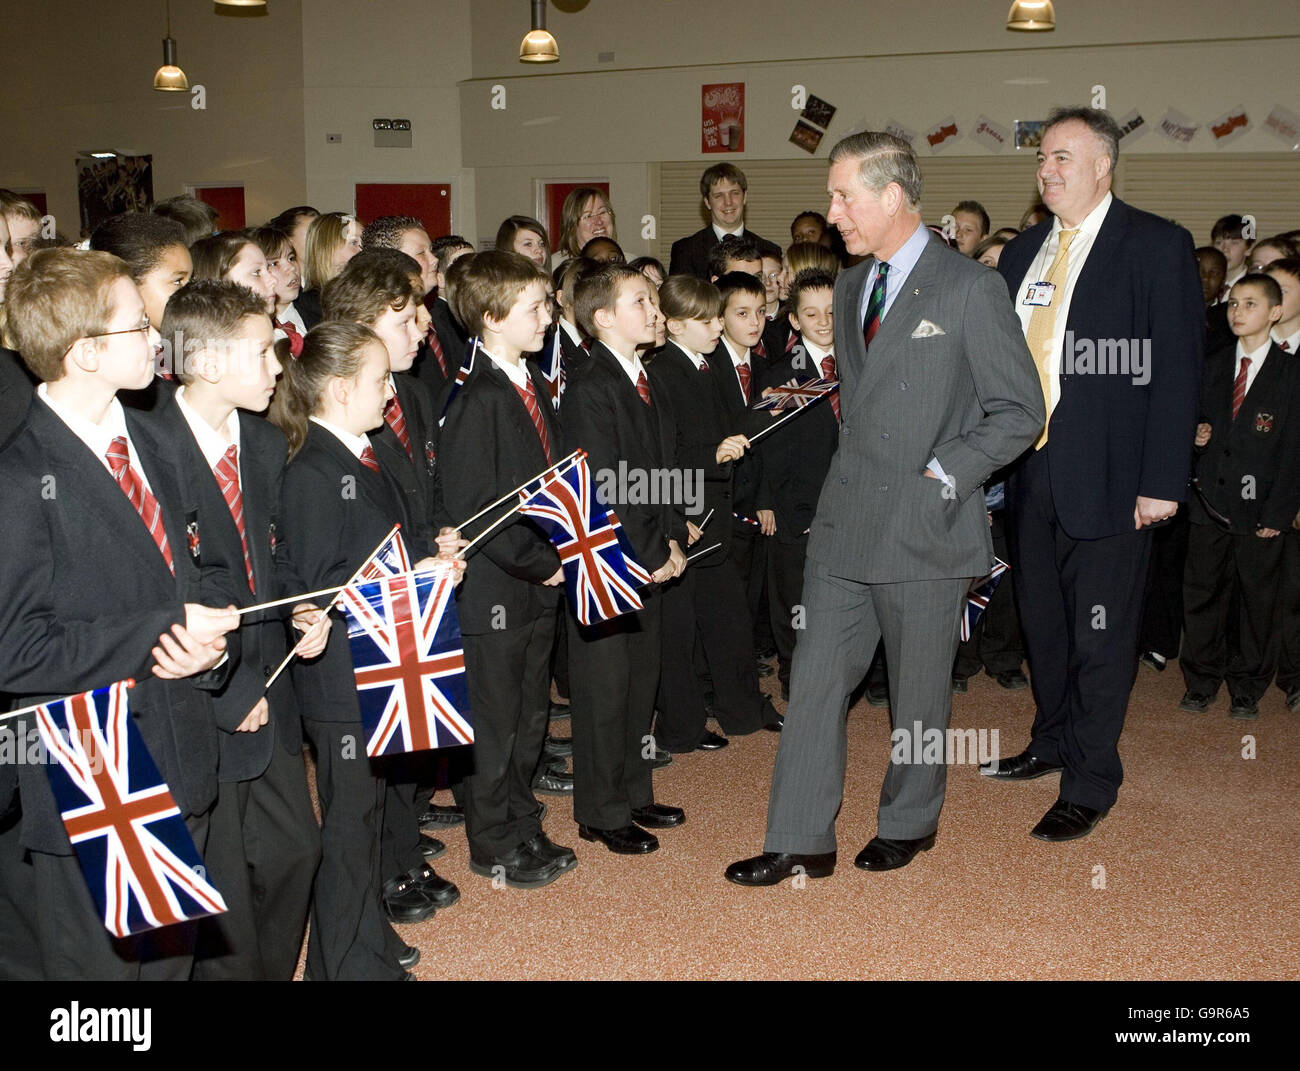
(1042, 325)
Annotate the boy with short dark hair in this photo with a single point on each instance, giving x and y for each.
(612, 411)
(198, 218)
(735, 254)
(499, 431)
(797, 456)
(1228, 237)
(264, 842)
(737, 366)
(1247, 487)
(99, 588)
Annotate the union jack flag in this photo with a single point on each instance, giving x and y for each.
(552, 368)
(978, 597)
(409, 662)
(131, 842)
(601, 574)
(462, 374)
(389, 559)
(795, 395)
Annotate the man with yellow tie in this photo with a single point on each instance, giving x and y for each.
(1110, 303)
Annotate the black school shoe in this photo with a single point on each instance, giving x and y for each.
(437, 815)
(405, 901)
(521, 869)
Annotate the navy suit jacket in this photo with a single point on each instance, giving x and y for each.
(1113, 437)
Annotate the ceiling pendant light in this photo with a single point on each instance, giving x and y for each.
(169, 78)
(239, 7)
(538, 45)
(1031, 16)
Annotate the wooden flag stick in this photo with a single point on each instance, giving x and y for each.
(325, 616)
(701, 553)
(506, 498)
(130, 683)
(572, 460)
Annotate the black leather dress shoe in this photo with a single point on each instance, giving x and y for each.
(1066, 821)
(661, 758)
(630, 840)
(1293, 700)
(1023, 767)
(1013, 680)
(775, 725)
(878, 695)
(772, 868)
(558, 747)
(959, 685)
(438, 889)
(658, 816)
(881, 853)
(1195, 702)
(431, 847)
(521, 869)
(553, 783)
(439, 815)
(1153, 660)
(544, 848)
(1244, 709)
(405, 901)
(409, 958)
(764, 668)
(558, 711)
(711, 741)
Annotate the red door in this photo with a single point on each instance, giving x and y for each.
(229, 203)
(429, 202)
(556, 192)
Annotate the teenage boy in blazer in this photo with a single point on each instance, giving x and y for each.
(1248, 484)
(500, 430)
(611, 411)
(98, 590)
(264, 842)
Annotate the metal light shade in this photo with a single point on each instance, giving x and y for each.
(538, 45)
(239, 7)
(240, 3)
(169, 78)
(1031, 16)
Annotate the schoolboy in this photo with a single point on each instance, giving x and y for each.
(264, 843)
(446, 339)
(611, 410)
(499, 431)
(1228, 237)
(1248, 493)
(99, 588)
(708, 598)
(797, 456)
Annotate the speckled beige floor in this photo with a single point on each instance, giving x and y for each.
(1193, 875)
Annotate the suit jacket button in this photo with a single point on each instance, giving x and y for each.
(884, 435)
(884, 487)
(902, 386)
(267, 671)
(847, 430)
(845, 479)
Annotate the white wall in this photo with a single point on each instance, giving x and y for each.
(395, 59)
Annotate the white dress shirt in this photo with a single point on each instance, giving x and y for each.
(98, 437)
(213, 444)
(1256, 362)
(1080, 247)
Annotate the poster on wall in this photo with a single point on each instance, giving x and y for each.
(1029, 133)
(1284, 125)
(722, 117)
(1230, 126)
(991, 134)
(111, 183)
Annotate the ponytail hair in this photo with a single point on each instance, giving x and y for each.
(331, 349)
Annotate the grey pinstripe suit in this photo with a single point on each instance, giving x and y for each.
(891, 551)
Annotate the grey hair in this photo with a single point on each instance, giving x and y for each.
(883, 158)
(1096, 120)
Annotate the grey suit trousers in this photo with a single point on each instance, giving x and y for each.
(844, 621)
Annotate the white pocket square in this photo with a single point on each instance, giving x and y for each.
(926, 329)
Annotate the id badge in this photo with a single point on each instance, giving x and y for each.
(1040, 294)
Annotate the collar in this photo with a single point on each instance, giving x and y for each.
(695, 358)
(720, 234)
(632, 366)
(740, 359)
(516, 373)
(355, 444)
(1256, 356)
(213, 444)
(815, 351)
(907, 254)
(572, 331)
(97, 437)
(1292, 341)
(1089, 225)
